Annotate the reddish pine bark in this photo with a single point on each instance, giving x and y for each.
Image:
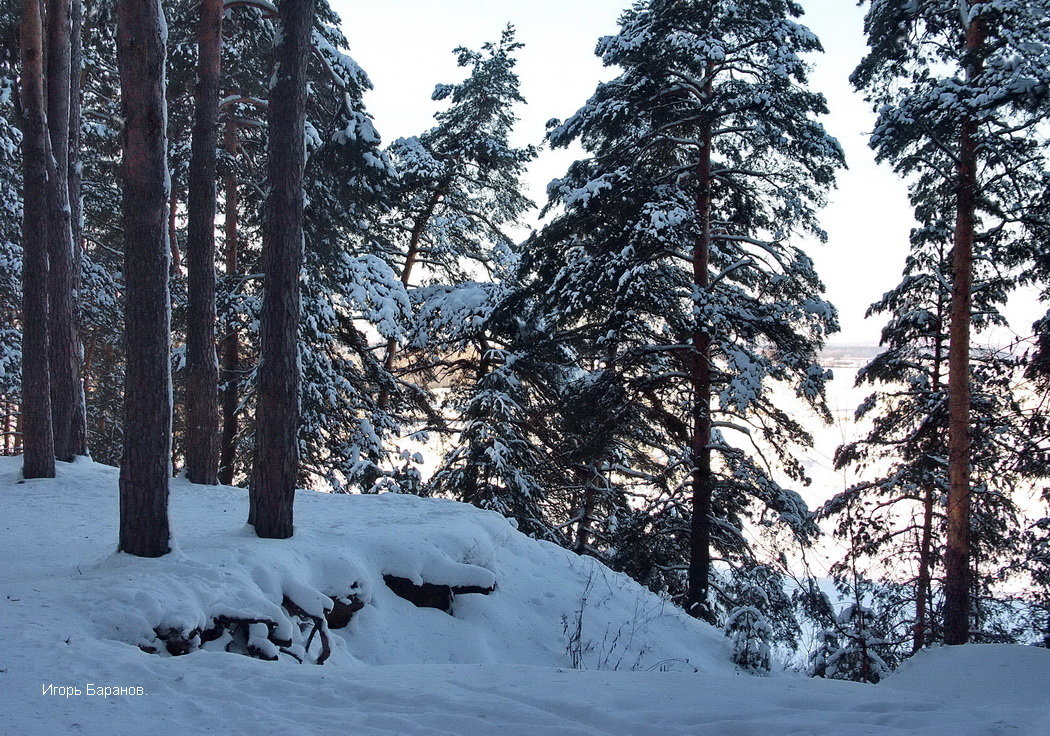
(700, 378)
(19, 448)
(202, 369)
(146, 465)
(38, 460)
(272, 488)
(9, 427)
(68, 421)
(957, 553)
(231, 366)
(923, 583)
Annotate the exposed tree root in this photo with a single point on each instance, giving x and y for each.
(259, 638)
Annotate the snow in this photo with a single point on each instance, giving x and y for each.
(72, 612)
(987, 676)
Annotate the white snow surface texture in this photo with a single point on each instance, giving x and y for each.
(73, 612)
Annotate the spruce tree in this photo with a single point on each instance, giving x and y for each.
(961, 89)
(857, 657)
(749, 634)
(673, 258)
(506, 456)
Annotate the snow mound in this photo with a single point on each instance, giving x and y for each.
(74, 614)
(512, 599)
(992, 674)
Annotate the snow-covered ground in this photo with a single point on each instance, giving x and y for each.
(75, 617)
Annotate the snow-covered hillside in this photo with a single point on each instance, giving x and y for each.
(76, 618)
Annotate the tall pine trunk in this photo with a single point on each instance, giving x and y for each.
(76, 82)
(700, 380)
(231, 343)
(924, 578)
(67, 417)
(957, 553)
(584, 525)
(19, 447)
(272, 489)
(146, 466)
(173, 234)
(9, 427)
(922, 584)
(76, 210)
(202, 370)
(35, 421)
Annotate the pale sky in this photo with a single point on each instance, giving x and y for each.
(405, 46)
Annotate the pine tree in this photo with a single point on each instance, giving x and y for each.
(10, 235)
(272, 489)
(146, 466)
(1036, 543)
(202, 406)
(1037, 564)
(353, 291)
(671, 262)
(1039, 367)
(10, 231)
(37, 433)
(346, 180)
(75, 173)
(899, 514)
(961, 88)
(230, 346)
(460, 191)
(67, 400)
(247, 42)
(100, 292)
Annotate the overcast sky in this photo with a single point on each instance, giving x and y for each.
(405, 46)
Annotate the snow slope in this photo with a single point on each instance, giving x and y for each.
(74, 613)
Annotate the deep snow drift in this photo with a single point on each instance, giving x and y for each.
(74, 614)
